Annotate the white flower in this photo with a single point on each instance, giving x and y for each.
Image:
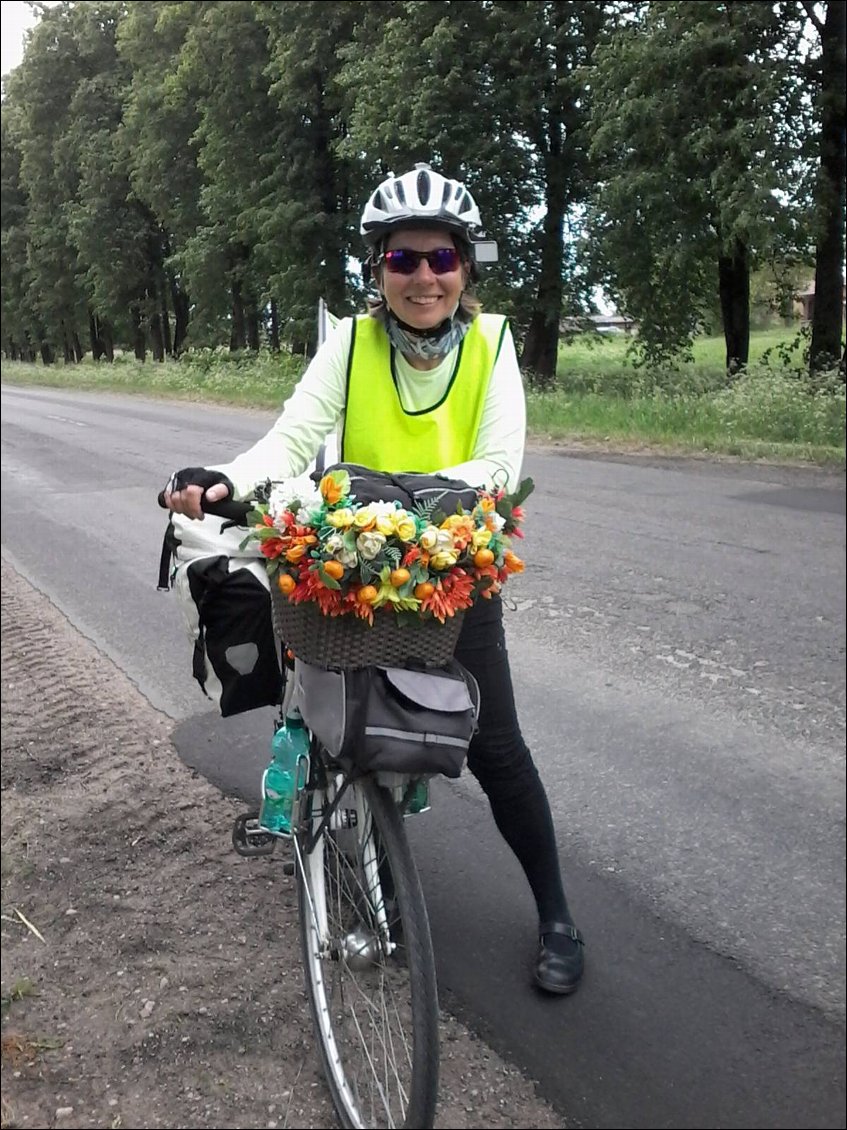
(335, 545)
(369, 544)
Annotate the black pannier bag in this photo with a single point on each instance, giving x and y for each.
(410, 489)
(224, 597)
(235, 636)
(392, 719)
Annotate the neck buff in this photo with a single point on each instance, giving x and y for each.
(428, 344)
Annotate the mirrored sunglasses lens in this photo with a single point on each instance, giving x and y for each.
(401, 262)
(404, 262)
(443, 260)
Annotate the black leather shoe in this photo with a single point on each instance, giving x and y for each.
(559, 972)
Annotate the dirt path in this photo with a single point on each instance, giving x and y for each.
(150, 976)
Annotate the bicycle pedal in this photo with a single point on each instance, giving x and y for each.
(250, 838)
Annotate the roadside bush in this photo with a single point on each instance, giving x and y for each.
(773, 404)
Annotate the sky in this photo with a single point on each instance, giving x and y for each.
(15, 19)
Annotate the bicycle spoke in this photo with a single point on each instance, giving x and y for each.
(373, 1000)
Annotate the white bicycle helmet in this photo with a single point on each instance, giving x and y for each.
(420, 197)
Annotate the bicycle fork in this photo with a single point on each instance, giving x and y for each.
(356, 820)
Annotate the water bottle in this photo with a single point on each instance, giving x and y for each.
(285, 775)
(419, 800)
(413, 795)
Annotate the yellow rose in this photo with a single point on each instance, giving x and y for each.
(405, 526)
(385, 525)
(444, 559)
(481, 539)
(341, 519)
(364, 519)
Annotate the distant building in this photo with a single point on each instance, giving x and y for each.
(805, 302)
(602, 323)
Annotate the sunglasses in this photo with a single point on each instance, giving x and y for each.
(403, 261)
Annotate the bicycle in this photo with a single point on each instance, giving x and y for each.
(364, 932)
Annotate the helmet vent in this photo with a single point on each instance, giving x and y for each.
(465, 205)
(377, 201)
(424, 187)
(401, 193)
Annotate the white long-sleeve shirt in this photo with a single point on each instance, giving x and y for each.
(315, 410)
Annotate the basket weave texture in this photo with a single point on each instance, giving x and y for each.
(348, 641)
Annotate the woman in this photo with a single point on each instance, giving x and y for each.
(425, 382)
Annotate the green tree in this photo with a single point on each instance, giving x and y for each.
(312, 189)
(694, 116)
(829, 71)
(41, 89)
(18, 333)
(155, 141)
(498, 102)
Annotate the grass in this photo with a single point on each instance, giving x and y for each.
(771, 413)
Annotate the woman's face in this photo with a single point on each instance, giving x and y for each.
(422, 299)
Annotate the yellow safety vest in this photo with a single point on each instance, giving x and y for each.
(379, 433)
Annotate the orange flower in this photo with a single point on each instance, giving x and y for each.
(453, 592)
(295, 553)
(462, 527)
(331, 490)
(511, 563)
(311, 588)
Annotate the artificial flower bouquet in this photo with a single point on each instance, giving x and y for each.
(322, 546)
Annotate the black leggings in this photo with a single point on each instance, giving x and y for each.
(501, 762)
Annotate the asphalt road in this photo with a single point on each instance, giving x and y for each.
(678, 651)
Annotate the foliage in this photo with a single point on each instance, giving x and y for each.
(191, 174)
(697, 132)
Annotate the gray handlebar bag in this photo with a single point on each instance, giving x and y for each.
(392, 719)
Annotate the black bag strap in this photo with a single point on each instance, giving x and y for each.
(169, 543)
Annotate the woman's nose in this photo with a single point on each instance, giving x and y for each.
(424, 270)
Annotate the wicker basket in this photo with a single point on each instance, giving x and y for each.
(348, 641)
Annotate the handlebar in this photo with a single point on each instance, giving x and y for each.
(228, 508)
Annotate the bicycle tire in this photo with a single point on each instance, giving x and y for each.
(375, 1009)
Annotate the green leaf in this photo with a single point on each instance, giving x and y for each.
(527, 486)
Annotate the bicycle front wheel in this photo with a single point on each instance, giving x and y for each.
(370, 971)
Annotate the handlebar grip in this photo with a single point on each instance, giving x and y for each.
(226, 508)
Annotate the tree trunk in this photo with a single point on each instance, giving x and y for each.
(540, 353)
(734, 290)
(827, 348)
(139, 338)
(157, 340)
(102, 342)
(237, 335)
(541, 346)
(182, 310)
(253, 335)
(47, 355)
(274, 326)
(167, 341)
(97, 349)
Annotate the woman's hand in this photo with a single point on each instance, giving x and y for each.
(186, 490)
